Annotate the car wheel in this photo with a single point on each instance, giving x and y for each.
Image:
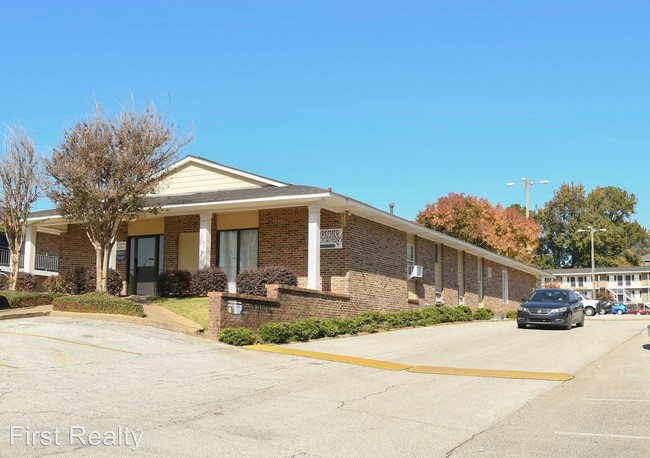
(521, 325)
(569, 323)
(603, 311)
(589, 311)
(619, 312)
(581, 323)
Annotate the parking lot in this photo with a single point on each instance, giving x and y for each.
(94, 388)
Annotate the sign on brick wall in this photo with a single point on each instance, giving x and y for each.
(331, 239)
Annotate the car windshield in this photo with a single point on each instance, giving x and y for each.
(549, 296)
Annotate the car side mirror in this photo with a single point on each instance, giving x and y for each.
(525, 299)
(573, 301)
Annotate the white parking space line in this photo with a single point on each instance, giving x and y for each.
(614, 400)
(619, 436)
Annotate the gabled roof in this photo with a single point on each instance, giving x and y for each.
(224, 168)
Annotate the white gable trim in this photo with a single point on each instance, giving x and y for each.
(222, 168)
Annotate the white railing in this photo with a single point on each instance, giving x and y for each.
(5, 257)
(47, 262)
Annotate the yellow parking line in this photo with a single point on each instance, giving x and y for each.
(495, 373)
(74, 342)
(392, 366)
(385, 365)
(9, 366)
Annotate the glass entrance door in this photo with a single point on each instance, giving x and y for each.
(144, 264)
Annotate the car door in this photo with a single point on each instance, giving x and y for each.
(577, 307)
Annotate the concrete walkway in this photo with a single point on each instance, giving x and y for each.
(156, 316)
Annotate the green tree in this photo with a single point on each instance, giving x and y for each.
(571, 209)
(103, 169)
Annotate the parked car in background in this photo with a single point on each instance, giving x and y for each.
(619, 309)
(552, 307)
(636, 309)
(604, 307)
(591, 305)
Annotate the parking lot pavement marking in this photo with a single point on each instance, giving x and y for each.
(618, 436)
(392, 366)
(73, 342)
(8, 366)
(614, 400)
(494, 373)
(385, 365)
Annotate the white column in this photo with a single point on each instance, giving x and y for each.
(205, 240)
(112, 259)
(313, 248)
(29, 264)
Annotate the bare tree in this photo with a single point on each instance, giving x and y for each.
(104, 168)
(21, 181)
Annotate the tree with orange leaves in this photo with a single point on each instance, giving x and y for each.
(472, 219)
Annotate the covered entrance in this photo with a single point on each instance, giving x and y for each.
(145, 263)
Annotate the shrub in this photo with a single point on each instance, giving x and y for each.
(350, 326)
(462, 313)
(97, 302)
(206, 280)
(54, 284)
(483, 314)
(19, 299)
(511, 314)
(248, 282)
(113, 283)
(254, 281)
(174, 283)
(276, 332)
(238, 336)
(24, 282)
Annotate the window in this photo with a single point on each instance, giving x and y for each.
(504, 286)
(410, 258)
(238, 251)
(581, 281)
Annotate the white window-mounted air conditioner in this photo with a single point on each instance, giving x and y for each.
(416, 272)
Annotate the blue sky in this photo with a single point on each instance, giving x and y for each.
(382, 101)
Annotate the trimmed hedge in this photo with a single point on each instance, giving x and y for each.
(511, 314)
(483, 314)
(25, 282)
(254, 281)
(205, 280)
(97, 303)
(238, 336)
(20, 299)
(174, 283)
(370, 322)
(81, 281)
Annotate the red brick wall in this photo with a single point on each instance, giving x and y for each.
(425, 287)
(470, 298)
(449, 293)
(283, 240)
(47, 243)
(75, 250)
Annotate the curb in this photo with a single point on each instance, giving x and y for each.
(26, 314)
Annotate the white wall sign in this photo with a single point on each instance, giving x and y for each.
(235, 307)
(331, 239)
(120, 246)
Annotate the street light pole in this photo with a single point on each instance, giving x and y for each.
(527, 183)
(591, 230)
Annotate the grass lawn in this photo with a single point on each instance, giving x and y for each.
(193, 308)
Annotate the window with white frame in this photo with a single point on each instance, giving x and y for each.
(410, 258)
(480, 279)
(504, 286)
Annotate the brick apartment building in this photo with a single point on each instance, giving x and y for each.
(211, 214)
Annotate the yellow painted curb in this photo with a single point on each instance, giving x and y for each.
(74, 342)
(385, 365)
(391, 366)
(549, 376)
